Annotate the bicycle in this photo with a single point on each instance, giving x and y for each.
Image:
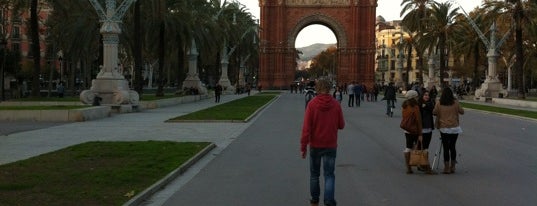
(310, 93)
(391, 107)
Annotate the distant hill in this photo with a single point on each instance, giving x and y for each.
(311, 51)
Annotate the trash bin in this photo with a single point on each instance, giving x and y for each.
(500, 95)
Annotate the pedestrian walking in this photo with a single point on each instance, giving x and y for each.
(322, 120)
(350, 91)
(338, 94)
(217, 92)
(358, 95)
(433, 93)
(389, 96)
(60, 90)
(447, 110)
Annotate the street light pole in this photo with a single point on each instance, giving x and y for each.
(60, 59)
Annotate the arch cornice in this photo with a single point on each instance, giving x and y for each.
(319, 18)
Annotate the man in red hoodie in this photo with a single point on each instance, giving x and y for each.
(322, 120)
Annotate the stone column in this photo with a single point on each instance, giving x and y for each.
(431, 79)
(224, 79)
(192, 79)
(110, 85)
(492, 87)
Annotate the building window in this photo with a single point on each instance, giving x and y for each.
(17, 19)
(16, 33)
(15, 47)
(392, 65)
(30, 51)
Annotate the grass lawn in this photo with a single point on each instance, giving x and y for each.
(93, 173)
(515, 112)
(239, 109)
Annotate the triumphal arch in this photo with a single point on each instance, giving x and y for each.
(352, 21)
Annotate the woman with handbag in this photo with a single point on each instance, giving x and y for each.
(411, 124)
(447, 111)
(426, 111)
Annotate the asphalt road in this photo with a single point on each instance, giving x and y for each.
(497, 163)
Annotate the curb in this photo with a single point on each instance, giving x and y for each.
(147, 193)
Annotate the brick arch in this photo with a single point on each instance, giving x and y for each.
(352, 21)
(318, 18)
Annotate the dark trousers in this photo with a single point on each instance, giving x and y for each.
(358, 97)
(426, 140)
(448, 145)
(412, 139)
(351, 100)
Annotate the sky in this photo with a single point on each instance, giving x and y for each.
(389, 9)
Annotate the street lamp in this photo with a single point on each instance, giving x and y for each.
(3, 44)
(60, 59)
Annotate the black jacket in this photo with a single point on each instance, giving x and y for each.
(389, 93)
(426, 110)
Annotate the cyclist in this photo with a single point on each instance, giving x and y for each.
(310, 91)
(389, 96)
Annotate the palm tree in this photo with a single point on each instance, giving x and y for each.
(415, 13)
(76, 34)
(520, 13)
(531, 52)
(440, 23)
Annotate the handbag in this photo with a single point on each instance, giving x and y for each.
(410, 124)
(418, 156)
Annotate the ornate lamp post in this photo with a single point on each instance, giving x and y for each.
(60, 61)
(110, 85)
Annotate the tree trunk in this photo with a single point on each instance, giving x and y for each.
(181, 64)
(442, 46)
(160, 81)
(476, 64)
(519, 52)
(408, 64)
(138, 78)
(34, 33)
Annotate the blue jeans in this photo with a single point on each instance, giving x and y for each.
(328, 158)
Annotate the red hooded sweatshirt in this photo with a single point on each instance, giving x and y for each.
(322, 120)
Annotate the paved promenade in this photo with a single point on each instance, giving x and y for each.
(28, 139)
(258, 163)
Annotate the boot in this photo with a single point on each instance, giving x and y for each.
(452, 166)
(314, 204)
(407, 160)
(447, 168)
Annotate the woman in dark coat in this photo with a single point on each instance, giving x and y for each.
(426, 110)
